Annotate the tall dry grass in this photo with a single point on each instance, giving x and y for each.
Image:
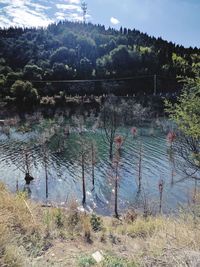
(20, 229)
(27, 230)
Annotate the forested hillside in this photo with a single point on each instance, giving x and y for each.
(68, 51)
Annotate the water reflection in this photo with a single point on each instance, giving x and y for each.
(49, 152)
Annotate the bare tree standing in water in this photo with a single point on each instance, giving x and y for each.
(45, 163)
(115, 178)
(109, 117)
(160, 187)
(140, 169)
(93, 160)
(117, 112)
(83, 155)
(116, 162)
(44, 141)
(27, 165)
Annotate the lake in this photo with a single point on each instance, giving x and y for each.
(20, 140)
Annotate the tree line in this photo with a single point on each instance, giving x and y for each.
(72, 50)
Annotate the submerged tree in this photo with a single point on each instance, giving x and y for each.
(117, 113)
(140, 169)
(93, 161)
(83, 150)
(116, 162)
(110, 121)
(26, 165)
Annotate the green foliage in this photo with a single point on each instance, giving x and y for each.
(32, 72)
(86, 261)
(63, 55)
(47, 219)
(85, 67)
(24, 92)
(62, 72)
(59, 218)
(96, 222)
(186, 112)
(112, 261)
(70, 50)
(2, 83)
(180, 64)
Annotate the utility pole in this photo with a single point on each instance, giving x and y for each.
(84, 9)
(155, 84)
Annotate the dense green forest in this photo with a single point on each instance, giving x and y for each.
(47, 57)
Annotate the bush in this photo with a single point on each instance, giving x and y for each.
(96, 223)
(86, 261)
(24, 93)
(59, 218)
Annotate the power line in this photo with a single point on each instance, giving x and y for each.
(96, 80)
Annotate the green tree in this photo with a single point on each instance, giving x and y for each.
(62, 71)
(186, 114)
(63, 55)
(32, 72)
(85, 69)
(24, 93)
(2, 84)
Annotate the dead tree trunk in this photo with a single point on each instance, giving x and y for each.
(83, 179)
(140, 170)
(93, 164)
(46, 180)
(116, 192)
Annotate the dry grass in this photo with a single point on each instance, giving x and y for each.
(20, 229)
(163, 241)
(29, 232)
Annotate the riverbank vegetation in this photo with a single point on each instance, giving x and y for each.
(185, 114)
(48, 236)
(40, 68)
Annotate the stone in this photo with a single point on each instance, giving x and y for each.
(98, 257)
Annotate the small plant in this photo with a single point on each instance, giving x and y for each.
(130, 216)
(86, 261)
(59, 218)
(73, 219)
(103, 236)
(96, 222)
(113, 261)
(86, 228)
(160, 187)
(47, 221)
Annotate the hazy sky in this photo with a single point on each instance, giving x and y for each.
(174, 20)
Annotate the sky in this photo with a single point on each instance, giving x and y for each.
(173, 20)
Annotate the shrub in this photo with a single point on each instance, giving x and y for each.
(59, 218)
(86, 261)
(96, 223)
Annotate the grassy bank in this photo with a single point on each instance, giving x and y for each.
(32, 235)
